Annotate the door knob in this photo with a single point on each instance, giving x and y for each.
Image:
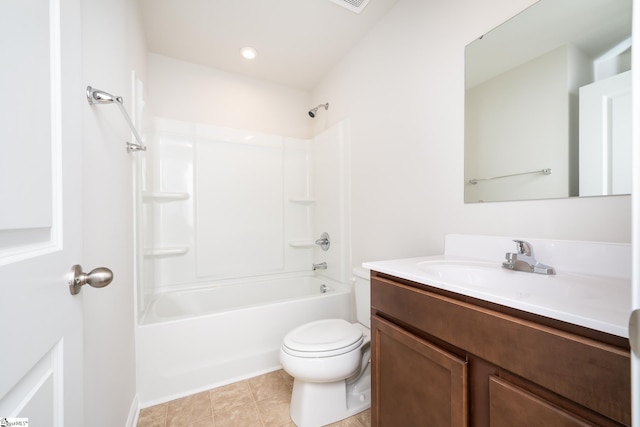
(97, 278)
(633, 331)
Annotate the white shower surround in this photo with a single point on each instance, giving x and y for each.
(222, 204)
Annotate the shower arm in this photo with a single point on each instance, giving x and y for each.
(95, 96)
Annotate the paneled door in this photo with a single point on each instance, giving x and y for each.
(605, 136)
(41, 94)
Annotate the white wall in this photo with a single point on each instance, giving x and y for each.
(402, 87)
(196, 94)
(112, 47)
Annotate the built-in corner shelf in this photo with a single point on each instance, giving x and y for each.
(302, 243)
(302, 200)
(163, 196)
(165, 251)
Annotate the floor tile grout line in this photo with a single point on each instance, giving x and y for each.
(281, 377)
(213, 415)
(255, 402)
(260, 415)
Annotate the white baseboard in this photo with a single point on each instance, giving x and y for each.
(134, 412)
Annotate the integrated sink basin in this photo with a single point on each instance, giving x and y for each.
(468, 273)
(490, 277)
(477, 278)
(591, 286)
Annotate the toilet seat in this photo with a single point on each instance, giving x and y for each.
(323, 338)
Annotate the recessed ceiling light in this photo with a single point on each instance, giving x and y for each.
(248, 52)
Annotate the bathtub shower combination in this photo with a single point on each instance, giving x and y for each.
(228, 222)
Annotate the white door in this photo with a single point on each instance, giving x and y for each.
(605, 136)
(40, 211)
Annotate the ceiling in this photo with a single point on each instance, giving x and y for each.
(298, 41)
(593, 26)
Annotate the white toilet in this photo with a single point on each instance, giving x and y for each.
(329, 361)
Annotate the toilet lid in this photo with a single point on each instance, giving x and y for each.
(327, 337)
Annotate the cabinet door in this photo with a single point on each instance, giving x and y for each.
(512, 406)
(415, 383)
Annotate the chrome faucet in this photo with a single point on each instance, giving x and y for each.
(321, 266)
(524, 260)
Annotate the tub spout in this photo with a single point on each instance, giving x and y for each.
(320, 266)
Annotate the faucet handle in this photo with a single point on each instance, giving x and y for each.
(510, 262)
(524, 248)
(324, 241)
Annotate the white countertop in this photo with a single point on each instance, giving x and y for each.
(596, 301)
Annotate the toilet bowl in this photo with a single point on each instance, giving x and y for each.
(329, 361)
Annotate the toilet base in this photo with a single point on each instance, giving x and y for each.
(319, 404)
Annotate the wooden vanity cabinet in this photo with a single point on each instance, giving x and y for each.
(401, 363)
(443, 359)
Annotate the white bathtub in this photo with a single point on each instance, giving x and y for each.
(191, 341)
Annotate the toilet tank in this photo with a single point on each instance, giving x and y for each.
(362, 289)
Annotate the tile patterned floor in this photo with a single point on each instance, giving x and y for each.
(257, 402)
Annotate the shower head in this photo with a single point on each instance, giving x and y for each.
(95, 96)
(312, 112)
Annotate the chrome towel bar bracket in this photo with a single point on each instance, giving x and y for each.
(95, 96)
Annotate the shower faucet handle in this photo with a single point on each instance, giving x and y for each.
(324, 241)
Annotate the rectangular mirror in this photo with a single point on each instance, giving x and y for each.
(548, 103)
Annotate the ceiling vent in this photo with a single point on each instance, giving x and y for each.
(353, 5)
